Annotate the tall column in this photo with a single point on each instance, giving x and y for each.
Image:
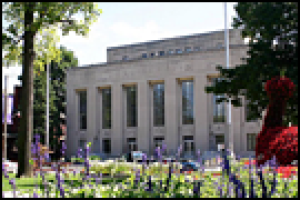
(72, 121)
(91, 113)
(236, 128)
(143, 116)
(117, 114)
(201, 114)
(171, 114)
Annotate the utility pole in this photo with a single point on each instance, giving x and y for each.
(5, 117)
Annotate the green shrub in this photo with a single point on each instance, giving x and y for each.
(94, 157)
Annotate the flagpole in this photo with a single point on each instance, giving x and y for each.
(226, 35)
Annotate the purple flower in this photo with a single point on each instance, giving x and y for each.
(179, 151)
(157, 152)
(137, 177)
(62, 192)
(220, 190)
(35, 195)
(226, 164)
(199, 157)
(149, 189)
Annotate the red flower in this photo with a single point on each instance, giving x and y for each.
(286, 172)
(248, 162)
(216, 174)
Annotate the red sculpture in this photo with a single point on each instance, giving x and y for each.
(275, 140)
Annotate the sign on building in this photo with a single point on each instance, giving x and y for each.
(9, 108)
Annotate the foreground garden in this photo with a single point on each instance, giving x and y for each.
(238, 178)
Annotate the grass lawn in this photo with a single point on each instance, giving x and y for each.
(30, 183)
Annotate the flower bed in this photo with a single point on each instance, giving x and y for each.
(240, 180)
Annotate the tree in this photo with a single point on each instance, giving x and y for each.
(272, 28)
(35, 23)
(58, 87)
(57, 103)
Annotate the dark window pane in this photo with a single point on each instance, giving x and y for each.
(161, 53)
(131, 106)
(218, 109)
(144, 55)
(83, 109)
(106, 108)
(106, 146)
(187, 102)
(158, 104)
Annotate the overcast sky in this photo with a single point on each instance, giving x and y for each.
(127, 23)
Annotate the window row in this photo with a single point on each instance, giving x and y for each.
(251, 140)
(131, 145)
(188, 144)
(163, 53)
(158, 99)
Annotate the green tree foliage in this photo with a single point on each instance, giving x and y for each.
(272, 28)
(57, 99)
(35, 24)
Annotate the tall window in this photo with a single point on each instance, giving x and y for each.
(158, 104)
(218, 109)
(106, 145)
(187, 102)
(82, 110)
(131, 106)
(106, 108)
(251, 137)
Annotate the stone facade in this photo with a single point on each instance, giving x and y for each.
(198, 65)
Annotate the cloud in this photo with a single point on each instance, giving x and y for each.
(92, 49)
(133, 34)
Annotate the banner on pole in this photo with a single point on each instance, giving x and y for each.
(9, 108)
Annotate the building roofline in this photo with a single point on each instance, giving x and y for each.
(166, 39)
(105, 64)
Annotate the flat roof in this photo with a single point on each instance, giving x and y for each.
(106, 64)
(167, 39)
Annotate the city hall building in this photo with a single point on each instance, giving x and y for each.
(151, 93)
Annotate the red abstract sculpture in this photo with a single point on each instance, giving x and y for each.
(275, 140)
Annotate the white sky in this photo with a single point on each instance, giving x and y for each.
(127, 23)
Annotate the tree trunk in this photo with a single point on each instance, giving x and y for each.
(26, 122)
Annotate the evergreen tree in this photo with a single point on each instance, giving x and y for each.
(272, 28)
